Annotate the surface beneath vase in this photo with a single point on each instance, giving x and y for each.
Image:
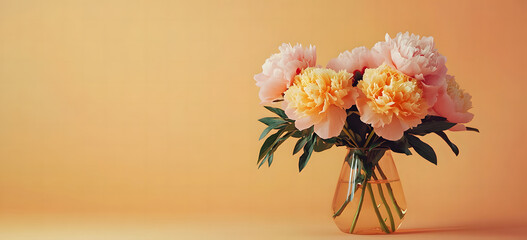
(236, 226)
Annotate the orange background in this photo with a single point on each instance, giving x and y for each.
(144, 113)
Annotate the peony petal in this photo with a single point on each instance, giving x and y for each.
(392, 131)
(380, 53)
(366, 113)
(270, 91)
(356, 60)
(289, 111)
(430, 93)
(260, 77)
(402, 63)
(438, 78)
(445, 107)
(461, 117)
(351, 98)
(458, 127)
(303, 123)
(454, 103)
(332, 126)
(338, 63)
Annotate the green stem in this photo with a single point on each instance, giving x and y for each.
(369, 137)
(390, 192)
(350, 136)
(352, 112)
(381, 193)
(359, 208)
(341, 209)
(379, 217)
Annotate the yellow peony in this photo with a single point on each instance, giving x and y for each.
(391, 101)
(319, 97)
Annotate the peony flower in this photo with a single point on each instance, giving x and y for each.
(415, 57)
(319, 97)
(453, 104)
(356, 60)
(280, 69)
(390, 101)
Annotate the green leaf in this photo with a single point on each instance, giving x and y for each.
(269, 128)
(277, 144)
(472, 129)
(376, 144)
(432, 118)
(308, 149)
(399, 146)
(375, 155)
(265, 132)
(272, 121)
(430, 126)
(263, 161)
(321, 145)
(303, 133)
(450, 143)
(270, 159)
(422, 148)
(268, 144)
(300, 143)
(277, 111)
(298, 134)
(281, 140)
(290, 127)
(358, 138)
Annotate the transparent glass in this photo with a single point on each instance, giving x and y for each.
(369, 198)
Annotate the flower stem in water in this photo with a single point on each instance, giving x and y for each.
(390, 192)
(342, 207)
(354, 223)
(381, 193)
(379, 217)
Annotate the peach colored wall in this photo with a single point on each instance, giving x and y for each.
(149, 107)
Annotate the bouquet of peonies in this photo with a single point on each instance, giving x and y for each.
(369, 100)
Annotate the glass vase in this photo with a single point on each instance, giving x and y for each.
(369, 198)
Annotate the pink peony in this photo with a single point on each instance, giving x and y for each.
(453, 104)
(415, 57)
(280, 69)
(356, 60)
